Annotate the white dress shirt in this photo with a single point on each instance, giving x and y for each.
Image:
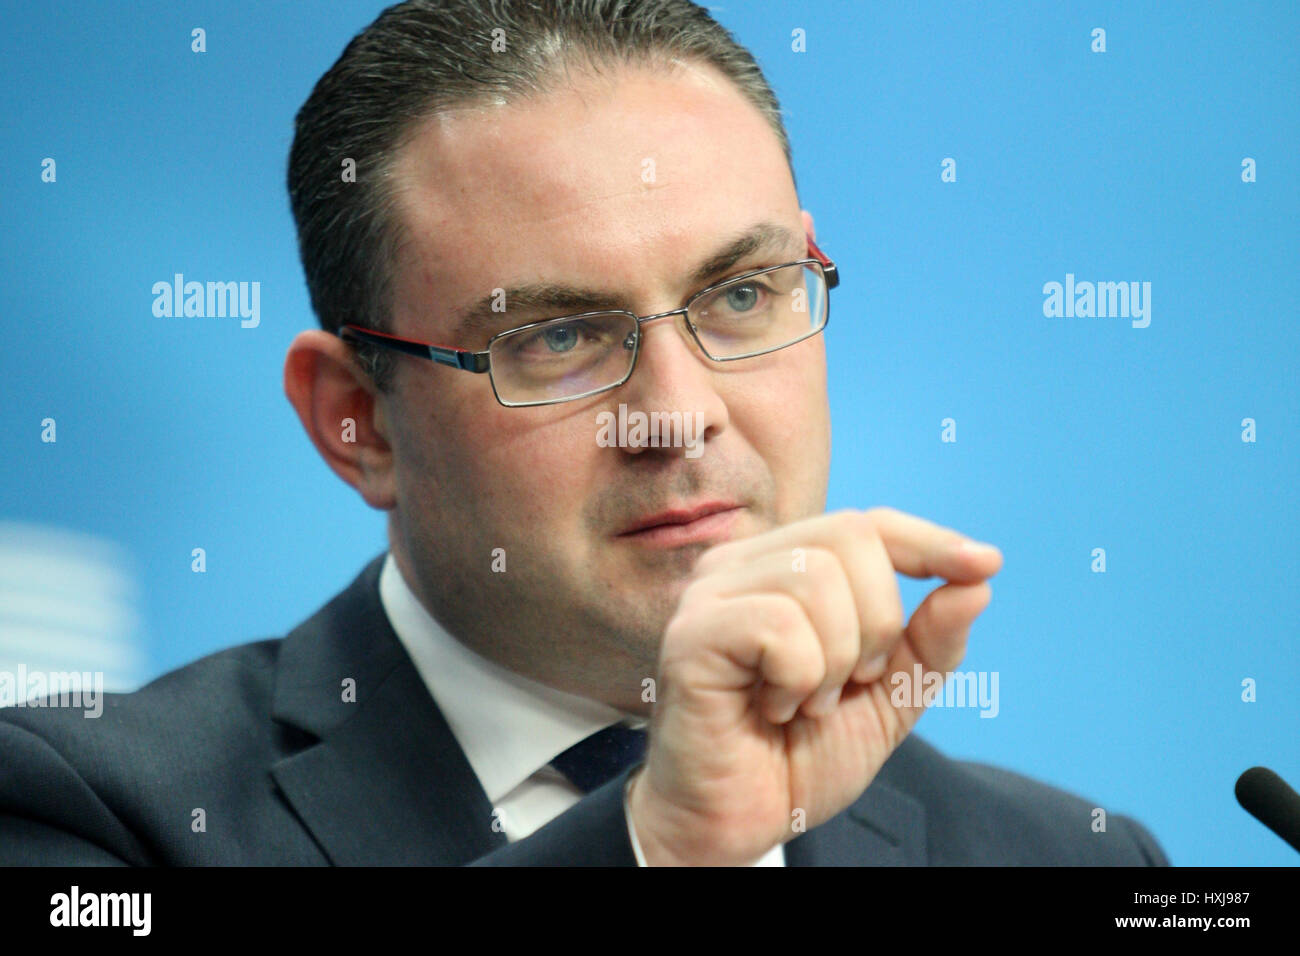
(509, 726)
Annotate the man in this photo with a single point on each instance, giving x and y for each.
(467, 179)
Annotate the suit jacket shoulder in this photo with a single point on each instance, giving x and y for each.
(167, 774)
(977, 814)
(322, 747)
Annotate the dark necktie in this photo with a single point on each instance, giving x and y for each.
(601, 757)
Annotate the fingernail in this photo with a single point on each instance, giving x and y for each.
(826, 702)
(971, 546)
(875, 665)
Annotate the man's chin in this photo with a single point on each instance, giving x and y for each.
(640, 606)
(657, 571)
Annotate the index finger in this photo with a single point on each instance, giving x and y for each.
(916, 547)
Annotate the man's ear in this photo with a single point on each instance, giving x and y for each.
(808, 223)
(340, 409)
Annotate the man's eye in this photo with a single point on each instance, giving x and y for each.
(742, 298)
(556, 340)
(745, 298)
(561, 338)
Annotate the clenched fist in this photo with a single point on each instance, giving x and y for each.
(773, 678)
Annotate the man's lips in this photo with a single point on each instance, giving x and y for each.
(683, 515)
(685, 525)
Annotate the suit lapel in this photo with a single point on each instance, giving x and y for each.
(385, 781)
(883, 827)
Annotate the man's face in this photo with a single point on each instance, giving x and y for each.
(624, 185)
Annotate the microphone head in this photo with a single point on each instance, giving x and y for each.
(1253, 778)
(1270, 800)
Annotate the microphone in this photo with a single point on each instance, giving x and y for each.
(1270, 800)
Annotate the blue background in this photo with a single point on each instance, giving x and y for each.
(1073, 434)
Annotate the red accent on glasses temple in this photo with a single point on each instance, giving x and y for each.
(398, 338)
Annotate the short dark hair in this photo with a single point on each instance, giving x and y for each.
(424, 56)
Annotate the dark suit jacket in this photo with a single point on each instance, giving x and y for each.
(286, 772)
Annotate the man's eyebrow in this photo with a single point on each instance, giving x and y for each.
(555, 299)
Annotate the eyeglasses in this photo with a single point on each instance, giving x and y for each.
(575, 356)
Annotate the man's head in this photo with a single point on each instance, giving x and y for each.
(613, 146)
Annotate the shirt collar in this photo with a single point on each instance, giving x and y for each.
(508, 725)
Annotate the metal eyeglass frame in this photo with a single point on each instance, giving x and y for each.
(468, 360)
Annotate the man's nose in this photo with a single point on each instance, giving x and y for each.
(673, 375)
